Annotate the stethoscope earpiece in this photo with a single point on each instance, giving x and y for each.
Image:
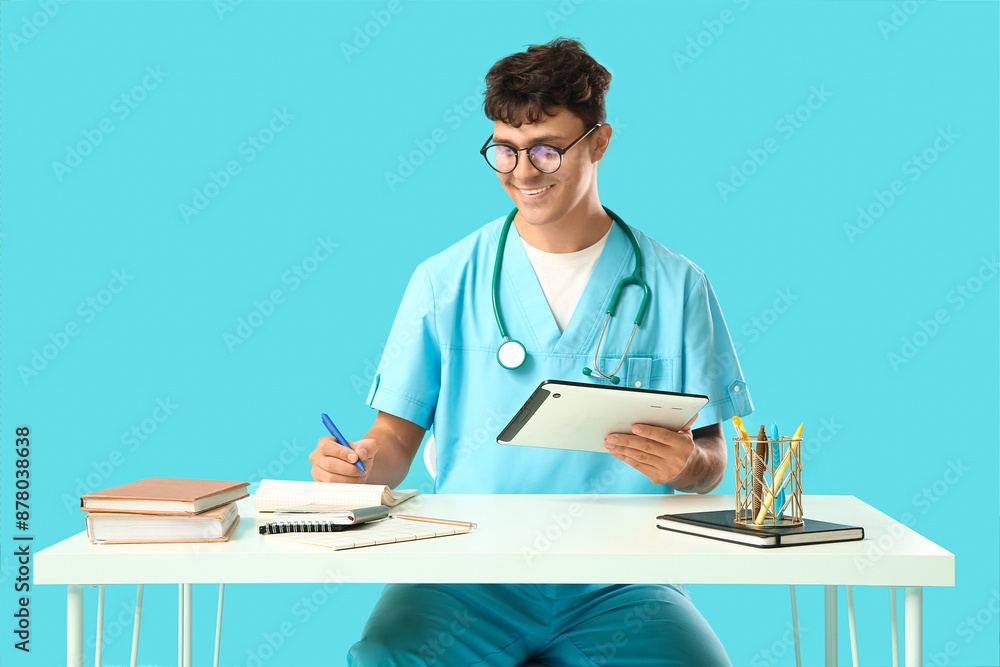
(614, 378)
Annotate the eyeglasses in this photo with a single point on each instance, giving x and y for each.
(544, 157)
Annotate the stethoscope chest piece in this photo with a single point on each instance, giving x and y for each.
(511, 354)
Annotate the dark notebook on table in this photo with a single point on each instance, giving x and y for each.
(719, 525)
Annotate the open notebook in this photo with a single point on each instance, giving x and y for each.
(386, 531)
(276, 494)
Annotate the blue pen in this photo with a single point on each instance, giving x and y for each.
(779, 501)
(341, 439)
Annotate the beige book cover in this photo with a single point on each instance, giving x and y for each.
(164, 495)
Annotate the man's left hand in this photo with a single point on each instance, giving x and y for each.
(658, 453)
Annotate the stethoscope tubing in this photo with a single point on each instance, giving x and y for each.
(635, 278)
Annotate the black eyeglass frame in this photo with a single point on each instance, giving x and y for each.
(517, 152)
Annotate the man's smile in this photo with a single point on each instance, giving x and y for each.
(536, 192)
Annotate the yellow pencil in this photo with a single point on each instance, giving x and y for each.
(738, 423)
(427, 519)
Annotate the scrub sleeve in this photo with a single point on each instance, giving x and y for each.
(708, 359)
(413, 354)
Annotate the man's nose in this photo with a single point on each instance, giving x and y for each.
(525, 171)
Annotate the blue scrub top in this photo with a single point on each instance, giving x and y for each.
(440, 367)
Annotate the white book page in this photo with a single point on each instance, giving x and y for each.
(273, 494)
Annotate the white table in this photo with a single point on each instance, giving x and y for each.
(530, 539)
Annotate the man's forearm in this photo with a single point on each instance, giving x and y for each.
(391, 462)
(705, 467)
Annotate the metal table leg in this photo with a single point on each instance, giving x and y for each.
(913, 626)
(187, 624)
(830, 615)
(74, 626)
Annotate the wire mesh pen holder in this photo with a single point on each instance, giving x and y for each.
(768, 482)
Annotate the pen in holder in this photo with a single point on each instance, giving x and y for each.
(768, 480)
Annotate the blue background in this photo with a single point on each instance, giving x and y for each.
(250, 410)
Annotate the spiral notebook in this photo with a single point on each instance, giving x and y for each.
(320, 519)
(386, 531)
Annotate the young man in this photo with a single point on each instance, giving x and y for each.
(561, 260)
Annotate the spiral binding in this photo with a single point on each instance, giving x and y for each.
(279, 527)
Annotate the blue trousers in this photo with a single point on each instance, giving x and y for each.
(457, 625)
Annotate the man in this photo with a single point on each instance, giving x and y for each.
(560, 263)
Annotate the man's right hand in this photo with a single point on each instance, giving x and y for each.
(332, 462)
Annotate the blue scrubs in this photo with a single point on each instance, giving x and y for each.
(440, 369)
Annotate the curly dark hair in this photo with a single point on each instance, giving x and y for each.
(523, 86)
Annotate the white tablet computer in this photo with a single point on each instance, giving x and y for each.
(575, 415)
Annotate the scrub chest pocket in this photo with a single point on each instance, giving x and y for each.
(648, 373)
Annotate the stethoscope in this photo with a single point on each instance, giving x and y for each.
(512, 353)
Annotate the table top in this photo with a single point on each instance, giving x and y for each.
(600, 539)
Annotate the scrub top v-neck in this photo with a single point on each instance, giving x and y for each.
(440, 368)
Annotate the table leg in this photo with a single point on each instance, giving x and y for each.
(912, 626)
(74, 626)
(100, 626)
(830, 615)
(893, 629)
(187, 624)
(180, 625)
(218, 626)
(135, 626)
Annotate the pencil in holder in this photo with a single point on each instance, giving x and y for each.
(768, 481)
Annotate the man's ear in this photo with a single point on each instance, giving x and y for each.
(603, 139)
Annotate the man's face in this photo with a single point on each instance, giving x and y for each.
(543, 198)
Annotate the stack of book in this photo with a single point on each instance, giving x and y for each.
(164, 509)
